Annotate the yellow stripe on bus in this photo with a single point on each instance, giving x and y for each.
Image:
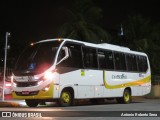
(134, 83)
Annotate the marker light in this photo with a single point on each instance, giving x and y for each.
(59, 39)
(48, 75)
(57, 88)
(46, 88)
(96, 89)
(32, 44)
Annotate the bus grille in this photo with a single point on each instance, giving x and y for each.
(27, 84)
(30, 93)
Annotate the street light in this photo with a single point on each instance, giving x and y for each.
(5, 59)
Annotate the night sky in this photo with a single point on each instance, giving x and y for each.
(36, 20)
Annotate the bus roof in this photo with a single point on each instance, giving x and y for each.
(101, 46)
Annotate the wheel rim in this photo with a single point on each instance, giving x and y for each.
(65, 97)
(126, 96)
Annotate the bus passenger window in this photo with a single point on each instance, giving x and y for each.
(101, 59)
(90, 58)
(109, 60)
(131, 62)
(120, 62)
(142, 63)
(145, 64)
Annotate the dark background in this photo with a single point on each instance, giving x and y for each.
(37, 20)
(32, 20)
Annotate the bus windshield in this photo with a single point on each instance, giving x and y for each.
(37, 58)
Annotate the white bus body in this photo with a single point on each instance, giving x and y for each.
(80, 70)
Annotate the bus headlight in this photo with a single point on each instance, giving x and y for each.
(48, 75)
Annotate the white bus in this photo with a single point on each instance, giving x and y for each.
(65, 70)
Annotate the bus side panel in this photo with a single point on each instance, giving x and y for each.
(70, 78)
(116, 82)
(86, 83)
(91, 84)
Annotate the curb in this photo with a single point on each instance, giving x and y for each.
(148, 97)
(9, 104)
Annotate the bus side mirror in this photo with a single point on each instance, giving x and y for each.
(64, 53)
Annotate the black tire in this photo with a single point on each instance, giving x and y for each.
(126, 97)
(32, 102)
(66, 99)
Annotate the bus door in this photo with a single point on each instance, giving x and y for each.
(93, 77)
(70, 67)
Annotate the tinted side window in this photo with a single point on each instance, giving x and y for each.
(131, 62)
(109, 60)
(145, 64)
(120, 63)
(142, 63)
(101, 59)
(89, 57)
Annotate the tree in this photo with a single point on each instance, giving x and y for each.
(154, 49)
(137, 30)
(82, 18)
(143, 35)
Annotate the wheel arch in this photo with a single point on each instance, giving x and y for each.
(128, 88)
(66, 97)
(70, 89)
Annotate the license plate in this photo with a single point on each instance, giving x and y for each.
(25, 92)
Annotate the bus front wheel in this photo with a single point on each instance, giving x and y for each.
(126, 97)
(32, 102)
(65, 99)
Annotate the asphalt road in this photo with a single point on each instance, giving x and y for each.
(141, 109)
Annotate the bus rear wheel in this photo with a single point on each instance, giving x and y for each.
(32, 102)
(126, 97)
(65, 99)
